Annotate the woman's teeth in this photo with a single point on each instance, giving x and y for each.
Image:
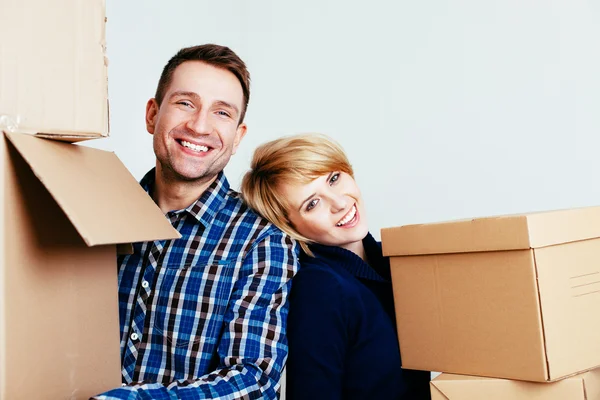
(348, 217)
(194, 147)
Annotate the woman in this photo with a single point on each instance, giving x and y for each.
(341, 324)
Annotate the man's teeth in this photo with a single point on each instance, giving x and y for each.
(348, 217)
(193, 146)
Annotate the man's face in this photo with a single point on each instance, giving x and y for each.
(196, 127)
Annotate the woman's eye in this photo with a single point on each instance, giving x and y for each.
(311, 204)
(334, 178)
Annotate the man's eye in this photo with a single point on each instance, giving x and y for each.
(311, 204)
(334, 178)
(184, 103)
(223, 113)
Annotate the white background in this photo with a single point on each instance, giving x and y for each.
(447, 109)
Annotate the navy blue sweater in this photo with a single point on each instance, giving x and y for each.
(342, 332)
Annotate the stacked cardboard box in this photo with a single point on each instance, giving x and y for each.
(508, 298)
(63, 207)
(585, 386)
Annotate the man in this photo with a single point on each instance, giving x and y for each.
(203, 316)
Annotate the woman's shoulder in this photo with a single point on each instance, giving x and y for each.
(320, 292)
(317, 267)
(318, 273)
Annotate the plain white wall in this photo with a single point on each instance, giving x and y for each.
(447, 109)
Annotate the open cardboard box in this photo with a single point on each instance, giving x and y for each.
(584, 386)
(514, 297)
(64, 209)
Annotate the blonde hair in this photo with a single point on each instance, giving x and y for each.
(297, 159)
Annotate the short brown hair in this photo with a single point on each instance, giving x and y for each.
(212, 54)
(293, 159)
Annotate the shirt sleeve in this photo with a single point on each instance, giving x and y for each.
(253, 347)
(319, 329)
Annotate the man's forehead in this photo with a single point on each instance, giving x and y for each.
(206, 81)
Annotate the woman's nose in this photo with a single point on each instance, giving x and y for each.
(338, 203)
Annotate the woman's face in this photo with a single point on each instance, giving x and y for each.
(328, 210)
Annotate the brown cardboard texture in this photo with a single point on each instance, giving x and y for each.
(64, 209)
(584, 386)
(53, 73)
(508, 297)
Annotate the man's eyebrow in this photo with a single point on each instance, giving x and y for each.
(183, 93)
(196, 97)
(221, 103)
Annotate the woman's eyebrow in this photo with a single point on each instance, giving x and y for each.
(307, 199)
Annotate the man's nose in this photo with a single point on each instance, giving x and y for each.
(200, 123)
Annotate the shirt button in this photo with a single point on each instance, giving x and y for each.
(134, 336)
(123, 384)
(145, 284)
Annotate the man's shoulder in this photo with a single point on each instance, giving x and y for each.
(262, 238)
(244, 215)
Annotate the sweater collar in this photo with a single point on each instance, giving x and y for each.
(377, 271)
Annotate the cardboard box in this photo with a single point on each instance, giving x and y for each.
(514, 297)
(63, 207)
(585, 386)
(52, 66)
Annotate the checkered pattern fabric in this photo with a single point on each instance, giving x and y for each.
(204, 316)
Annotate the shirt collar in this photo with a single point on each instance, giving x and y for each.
(207, 206)
(377, 271)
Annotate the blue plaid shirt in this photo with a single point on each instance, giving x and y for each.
(204, 316)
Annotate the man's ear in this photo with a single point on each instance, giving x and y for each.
(151, 113)
(239, 135)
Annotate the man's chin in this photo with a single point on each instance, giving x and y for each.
(195, 177)
(182, 175)
(186, 172)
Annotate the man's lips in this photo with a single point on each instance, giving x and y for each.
(194, 146)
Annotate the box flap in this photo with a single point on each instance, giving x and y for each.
(95, 190)
(462, 387)
(53, 69)
(510, 232)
